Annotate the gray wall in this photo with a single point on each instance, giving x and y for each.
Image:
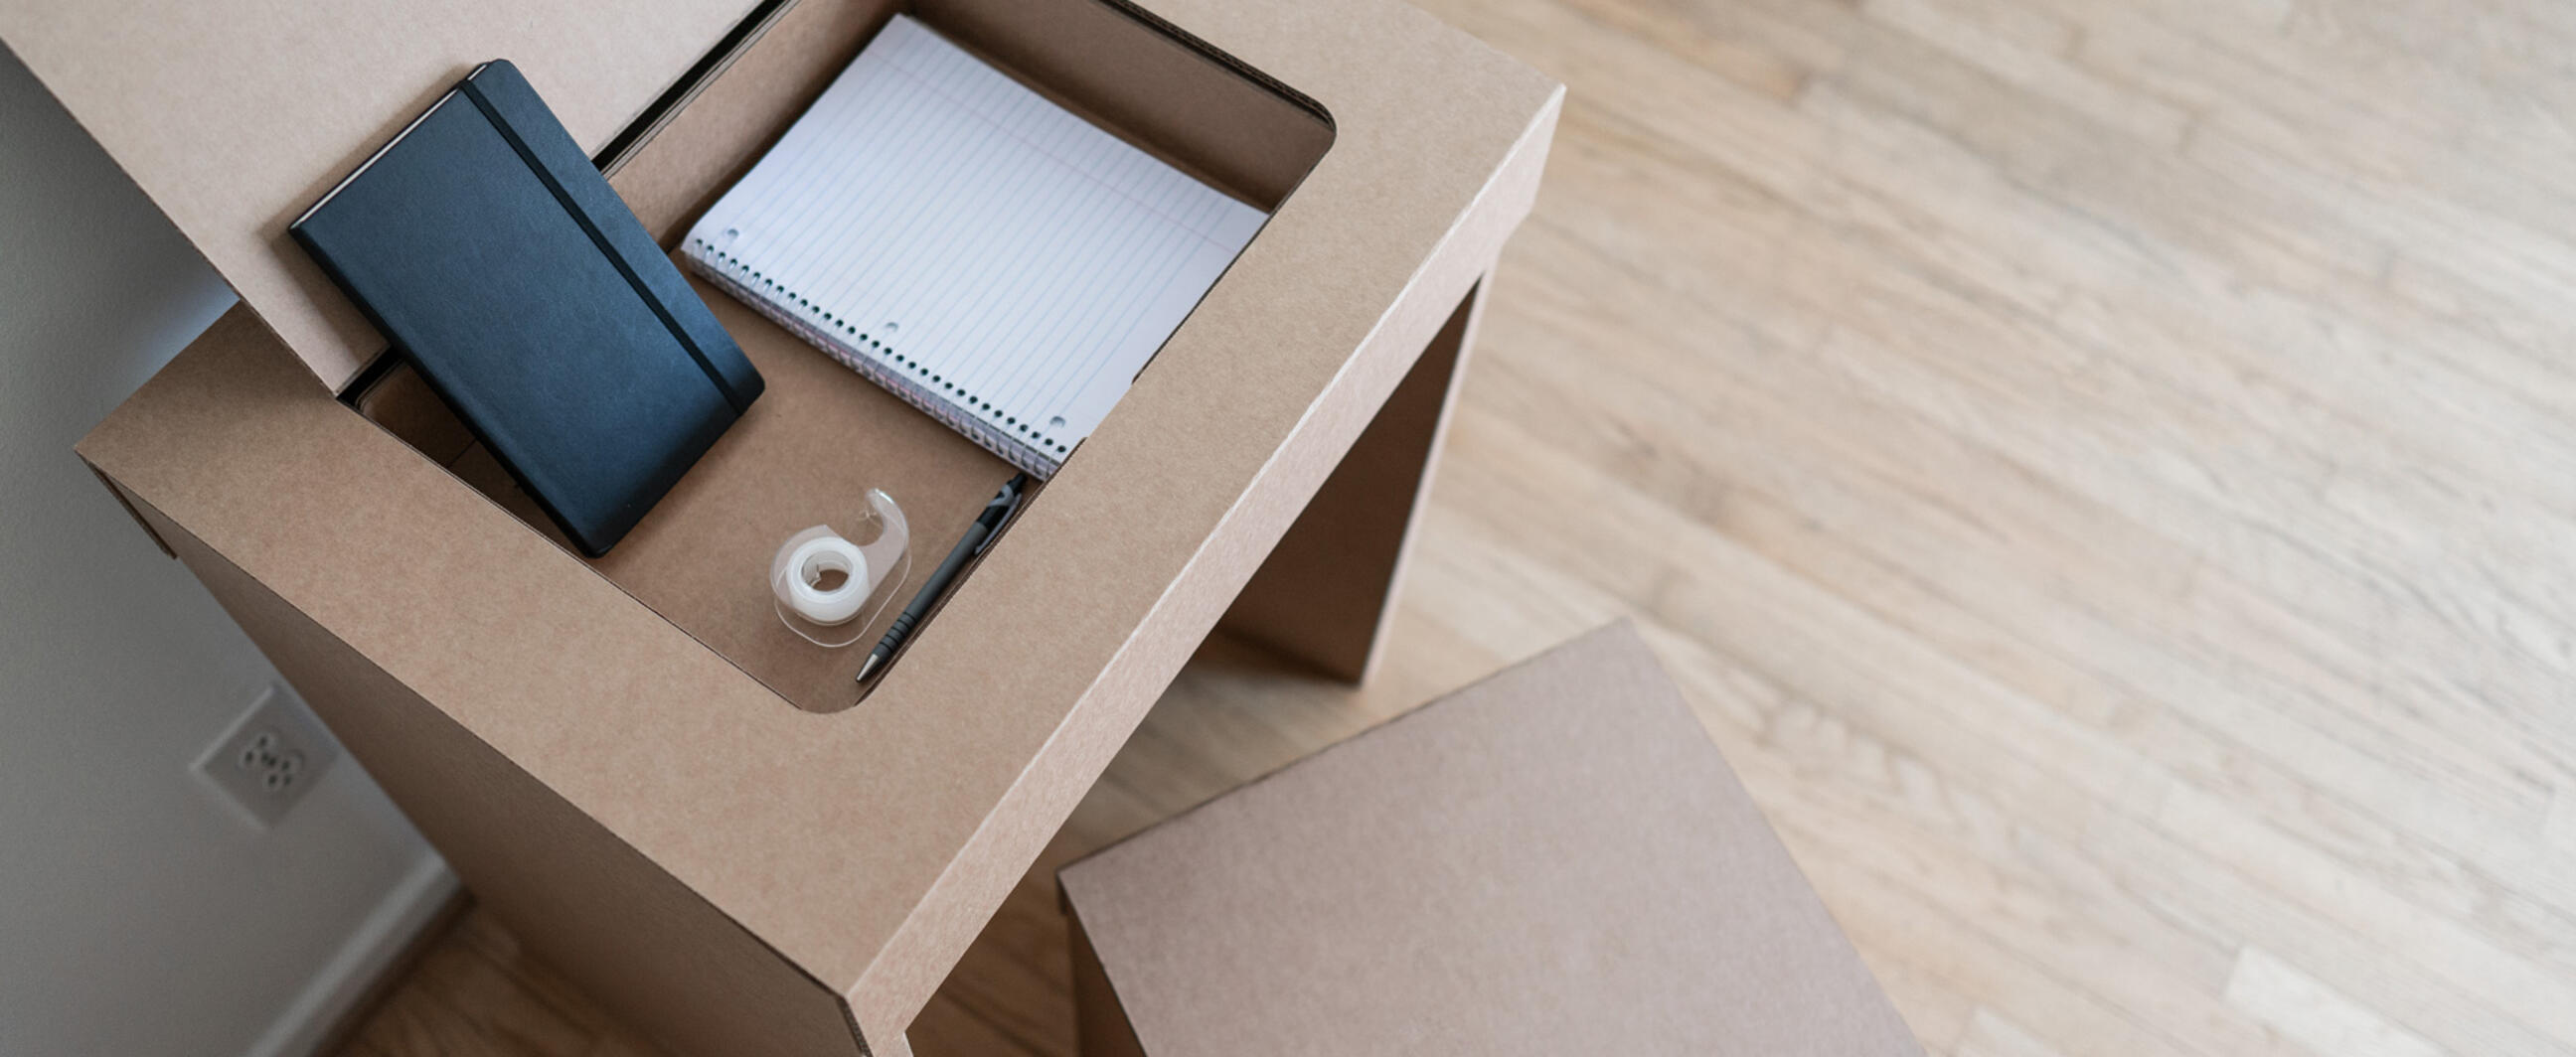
(138, 914)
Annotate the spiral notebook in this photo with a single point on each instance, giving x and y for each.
(957, 238)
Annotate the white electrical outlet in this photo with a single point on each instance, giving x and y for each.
(269, 758)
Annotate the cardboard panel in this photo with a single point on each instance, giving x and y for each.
(1323, 595)
(1233, 128)
(1555, 860)
(740, 110)
(639, 941)
(1100, 1023)
(235, 115)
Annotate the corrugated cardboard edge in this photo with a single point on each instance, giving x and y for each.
(127, 502)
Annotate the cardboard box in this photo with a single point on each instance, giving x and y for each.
(626, 759)
(1555, 860)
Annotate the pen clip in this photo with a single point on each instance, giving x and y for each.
(1014, 495)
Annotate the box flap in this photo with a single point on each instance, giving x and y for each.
(235, 115)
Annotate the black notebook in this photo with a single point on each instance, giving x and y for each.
(489, 250)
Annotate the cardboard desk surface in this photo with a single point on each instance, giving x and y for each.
(518, 700)
(1555, 860)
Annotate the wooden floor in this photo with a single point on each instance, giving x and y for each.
(2104, 469)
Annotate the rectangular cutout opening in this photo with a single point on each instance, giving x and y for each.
(822, 435)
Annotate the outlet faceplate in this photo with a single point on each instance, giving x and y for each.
(269, 758)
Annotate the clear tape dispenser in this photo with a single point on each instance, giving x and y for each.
(829, 585)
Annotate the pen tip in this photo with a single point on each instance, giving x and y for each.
(870, 667)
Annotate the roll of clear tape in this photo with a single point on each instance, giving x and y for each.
(807, 561)
(830, 582)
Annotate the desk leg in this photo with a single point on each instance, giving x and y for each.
(1324, 594)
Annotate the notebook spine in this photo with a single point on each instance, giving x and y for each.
(1038, 464)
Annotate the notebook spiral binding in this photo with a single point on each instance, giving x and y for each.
(736, 281)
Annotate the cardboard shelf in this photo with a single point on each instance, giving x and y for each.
(822, 436)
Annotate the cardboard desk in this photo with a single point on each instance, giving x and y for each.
(712, 828)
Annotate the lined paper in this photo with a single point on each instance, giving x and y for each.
(947, 228)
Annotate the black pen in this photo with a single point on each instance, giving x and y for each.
(978, 536)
